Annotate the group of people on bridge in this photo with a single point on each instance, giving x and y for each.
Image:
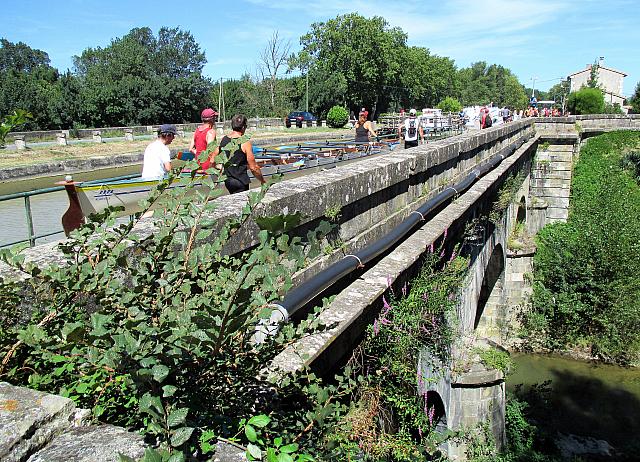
(236, 145)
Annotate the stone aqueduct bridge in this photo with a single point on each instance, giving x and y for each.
(376, 194)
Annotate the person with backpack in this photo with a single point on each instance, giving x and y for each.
(410, 129)
(485, 118)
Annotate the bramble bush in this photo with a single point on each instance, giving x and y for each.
(586, 289)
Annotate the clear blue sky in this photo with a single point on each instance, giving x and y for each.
(546, 39)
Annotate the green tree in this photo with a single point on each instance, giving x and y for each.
(426, 78)
(586, 101)
(365, 54)
(143, 79)
(592, 81)
(27, 81)
(482, 83)
(635, 100)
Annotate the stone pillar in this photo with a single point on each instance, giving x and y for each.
(97, 136)
(150, 129)
(20, 142)
(128, 134)
(62, 138)
(323, 123)
(314, 123)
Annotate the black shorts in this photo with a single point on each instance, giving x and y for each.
(410, 144)
(235, 186)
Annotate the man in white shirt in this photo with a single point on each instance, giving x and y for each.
(411, 128)
(157, 157)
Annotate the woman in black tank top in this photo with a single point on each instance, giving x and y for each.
(364, 128)
(240, 154)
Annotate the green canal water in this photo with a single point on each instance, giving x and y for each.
(586, 399)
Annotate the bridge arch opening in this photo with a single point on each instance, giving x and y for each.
(434, 407)
(521, 215)
(492, 282)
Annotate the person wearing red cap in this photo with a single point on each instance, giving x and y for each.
(364, 127)
(204, 134)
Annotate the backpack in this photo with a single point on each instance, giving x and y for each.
(488, 121)
(411, 132)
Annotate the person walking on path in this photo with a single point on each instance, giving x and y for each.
(204, 134)
(364, 128)
(411, 128)
(239, 151)
(157, 157)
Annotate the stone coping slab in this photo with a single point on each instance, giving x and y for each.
(29, 419)
(97, 443)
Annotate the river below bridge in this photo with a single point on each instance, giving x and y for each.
(587, 399)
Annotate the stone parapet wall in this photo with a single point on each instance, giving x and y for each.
(374, 194)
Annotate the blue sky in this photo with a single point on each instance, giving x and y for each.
(534, 38)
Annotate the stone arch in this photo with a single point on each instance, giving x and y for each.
(521, 215)
(492, 282)
(434, 403)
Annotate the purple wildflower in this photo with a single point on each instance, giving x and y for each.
(431, 248)
(376, 327)
(425, 296)
(442, 253)
(446, 231)
(453, 255)
(432, 413)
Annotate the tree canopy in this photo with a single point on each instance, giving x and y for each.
(147, 78)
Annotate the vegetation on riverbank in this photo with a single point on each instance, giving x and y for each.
(587, 277)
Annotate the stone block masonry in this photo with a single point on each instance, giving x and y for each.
(40, 427)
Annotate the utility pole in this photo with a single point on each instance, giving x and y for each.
(221, 100)
(307, 96)
(533, 87)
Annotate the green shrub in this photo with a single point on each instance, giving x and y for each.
(337, 117)
(450, 104)
(586, 276)
(586, 101)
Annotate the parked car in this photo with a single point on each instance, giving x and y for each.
(299, 118)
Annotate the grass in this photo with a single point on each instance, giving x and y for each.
(43, 154)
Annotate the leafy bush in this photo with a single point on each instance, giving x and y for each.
(586, 276)
(157, 338)
(337, 117)
(11, 122)
(450, 104)
(586, 101)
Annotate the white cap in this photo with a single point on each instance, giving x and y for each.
(412, 112)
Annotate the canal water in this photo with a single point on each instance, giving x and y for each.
(586, 399)
(46, 209)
